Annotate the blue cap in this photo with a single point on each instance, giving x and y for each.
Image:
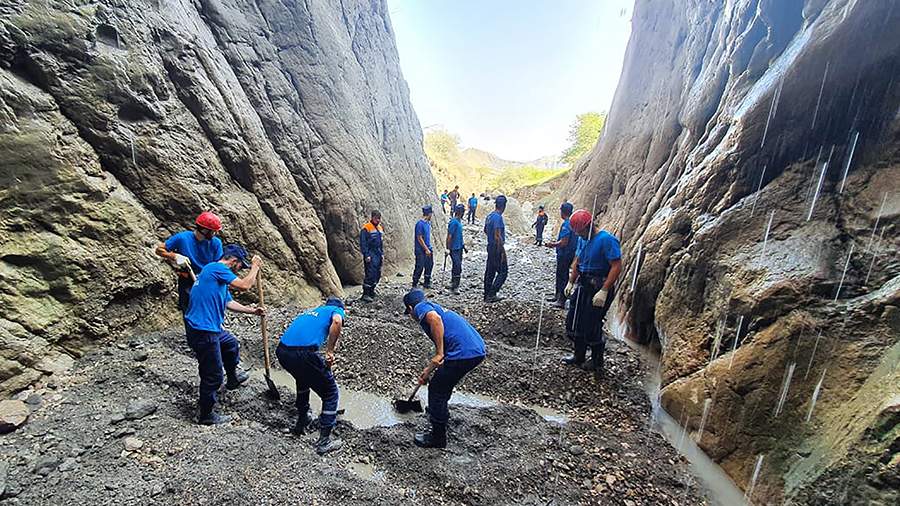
(412, 298)
(236, 251)
(460, 208)
(334, 301)
(427, 210)
(567, 208)
(500, 201)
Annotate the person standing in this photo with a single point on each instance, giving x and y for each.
(298, 353)
(190, 251)
(444, 200)
(496, 268)
(454, 197)
(591, 288)
(459, 348)
(215, 347)
(539, 223)
(371, 245)
(422, 246)
(473, 205)
(565, 245)
(455, 246)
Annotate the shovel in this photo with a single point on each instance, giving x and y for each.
(272, 393)
(411, 404)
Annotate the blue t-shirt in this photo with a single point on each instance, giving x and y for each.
(473, 202)
(310, 328)
(423, 228)
(494, 221)
(200, 252)
(209, 296)
(461, 340)
(594, 256)
(566, 231)
(455, 230)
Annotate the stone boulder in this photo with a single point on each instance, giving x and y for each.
(13, 414)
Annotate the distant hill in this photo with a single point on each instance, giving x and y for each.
(480, 158)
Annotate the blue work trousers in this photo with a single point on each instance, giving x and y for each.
(214, 351)
(310, 373)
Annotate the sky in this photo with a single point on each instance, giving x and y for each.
(509, 76)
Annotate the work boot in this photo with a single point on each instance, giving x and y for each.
(326, 443)
(302, 424)
(489, 299)
(427, 284)
(572, 360)
(435, 438)
(367, 295)
(213, 418)
(552, 299)
(236, 379)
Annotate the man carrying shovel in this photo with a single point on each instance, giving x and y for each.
(189, 251)
(215, 347)
(298, 353)
(459, 348)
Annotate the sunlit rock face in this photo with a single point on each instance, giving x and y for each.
(750, 164)
(121, 120)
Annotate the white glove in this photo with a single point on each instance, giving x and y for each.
(569, 289)
(182, 261)
(599, 299)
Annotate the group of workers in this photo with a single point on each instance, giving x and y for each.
(452, 198)
(588, 265)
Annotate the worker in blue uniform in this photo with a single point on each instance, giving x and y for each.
(459, 348)
(591, 289)
(371, 244)
(455, 246)
(422, 249)
(565, 245)
(473, 206)
(496, 268)
(189, 251)
(215, 347)
(298, 353)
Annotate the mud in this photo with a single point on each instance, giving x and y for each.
(524, 429)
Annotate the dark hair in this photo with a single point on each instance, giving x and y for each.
(376, 213)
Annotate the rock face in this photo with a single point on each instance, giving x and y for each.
(750, 164)
(120, 121)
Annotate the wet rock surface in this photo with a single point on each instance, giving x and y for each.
(504, 453)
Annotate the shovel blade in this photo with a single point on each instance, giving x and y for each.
(272, 392)
(407, 406)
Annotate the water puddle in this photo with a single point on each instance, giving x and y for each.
(366, 410)
(365, 471)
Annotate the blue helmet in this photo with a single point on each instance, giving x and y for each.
(412, 298)
(236, 251)
(500, 201)
(427, 210)
(460, 209)
(334, 301)
(567, 208)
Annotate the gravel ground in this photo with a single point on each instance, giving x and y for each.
(76, 449)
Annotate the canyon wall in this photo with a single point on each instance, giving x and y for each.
(751, 166)
(121, 120)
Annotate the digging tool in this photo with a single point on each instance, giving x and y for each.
(444, 268)
(412, 404)
(272, 392)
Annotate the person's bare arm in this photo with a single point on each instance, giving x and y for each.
(421, 240)
(573, 276)
(248, 281)
(334, 333)
(237, 307)
(436, 324)
(449, 236)
(163, 252)
(615, 268)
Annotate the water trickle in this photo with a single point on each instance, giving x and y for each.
(877, 220)
(812, 206)
(819, 100)
(756, 470)
(717, 340)
(785, 388)
(844, 274)
(706, 405)
(766, 235)
(815, 395)
(758, 188)
(875, 255)
(737, 337)
(637, 267)
(133, 156)
(849, 160)
(812, 355)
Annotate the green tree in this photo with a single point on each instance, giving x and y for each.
(440, 144)
(583, 134)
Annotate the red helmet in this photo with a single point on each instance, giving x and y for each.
(209, 220)
(580, 220)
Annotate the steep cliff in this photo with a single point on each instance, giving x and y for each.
(750, 164)
(121, 120)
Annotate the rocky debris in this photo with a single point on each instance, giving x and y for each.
(140, 408)
(4, 472)
(69, 464)
(133, 444)
(13, 413)
(45, 465)
(743, 171)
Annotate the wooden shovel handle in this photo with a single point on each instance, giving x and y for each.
(262, 320)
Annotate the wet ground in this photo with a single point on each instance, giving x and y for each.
(525, 430)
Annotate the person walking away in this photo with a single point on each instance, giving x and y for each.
(539, 223)
(422, 246)
(190, 251)
(215, 347)
(565, 245)
(496, 268)
(444, 200)
(371, 244)
(473, 205)
(298, 352)
(459, 348)
(591, 288)
(454, 197)
(455, 246)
